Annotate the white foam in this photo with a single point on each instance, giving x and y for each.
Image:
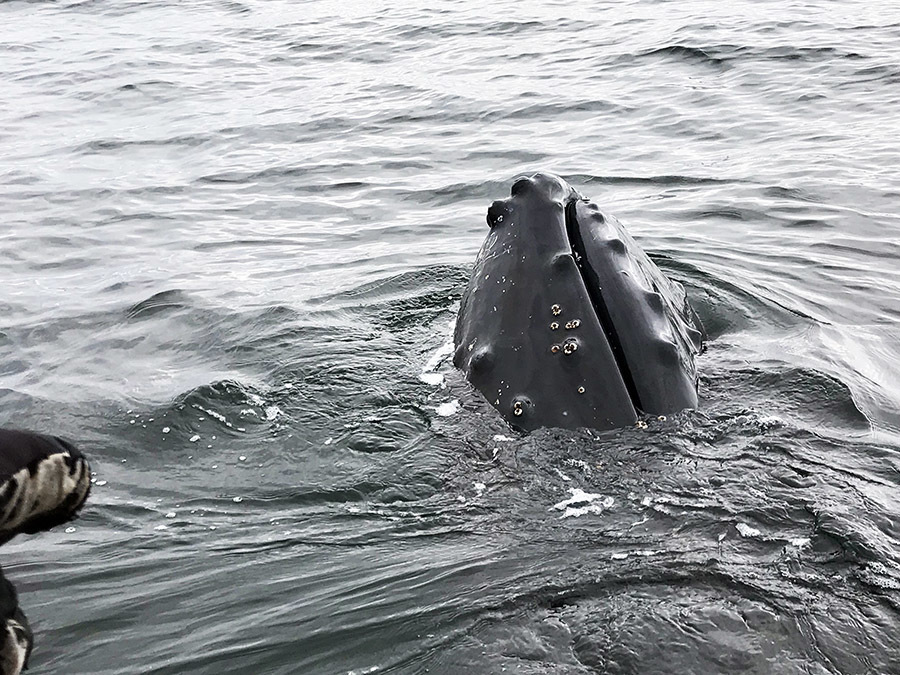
(746, 531)
(582, 503)
(448, 409)
(213, 413)
(429, 374)
(500, 438)
(439, 355)
(435, 379)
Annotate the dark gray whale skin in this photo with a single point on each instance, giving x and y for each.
(566, 322)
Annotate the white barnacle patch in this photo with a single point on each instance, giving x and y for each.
(57, 485)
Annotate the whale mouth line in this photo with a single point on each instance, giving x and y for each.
(595, 293)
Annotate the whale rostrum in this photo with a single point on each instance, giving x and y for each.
(566, 322)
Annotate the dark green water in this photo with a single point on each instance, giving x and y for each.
(233, 237)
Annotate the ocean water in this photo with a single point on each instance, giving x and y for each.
(233, 238)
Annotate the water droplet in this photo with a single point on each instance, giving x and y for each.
(101, 483)
(166, 430)
(194, 438)
(238, 500)
(70, 530)
(170, 514)
(554, 349)
(556, 309)
(555, 325)
(580, 390)
(242, 458)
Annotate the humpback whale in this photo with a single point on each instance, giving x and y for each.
(44, 482)
(566, 322)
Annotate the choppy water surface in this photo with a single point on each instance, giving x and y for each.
(233, 238)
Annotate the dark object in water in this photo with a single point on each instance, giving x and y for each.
(44, 482)
(566, 322)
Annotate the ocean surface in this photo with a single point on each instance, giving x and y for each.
(233, 239)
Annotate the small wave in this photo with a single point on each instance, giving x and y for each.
(159, 303)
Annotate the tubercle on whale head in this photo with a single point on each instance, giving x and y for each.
(545, 185)
(545, 188)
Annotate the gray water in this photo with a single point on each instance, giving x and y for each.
(233, 238)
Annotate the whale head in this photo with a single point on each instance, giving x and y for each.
(566, 322)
